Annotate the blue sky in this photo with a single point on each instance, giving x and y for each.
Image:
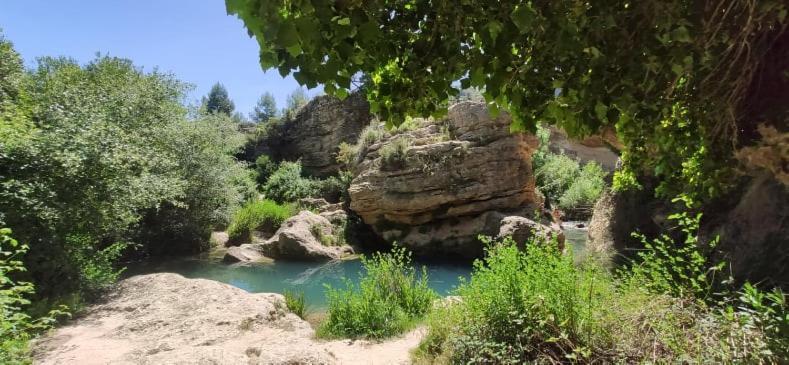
(195, 40)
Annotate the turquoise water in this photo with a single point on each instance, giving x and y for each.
(310, 277)
(280, 276)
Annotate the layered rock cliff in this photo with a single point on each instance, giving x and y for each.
(447, 182)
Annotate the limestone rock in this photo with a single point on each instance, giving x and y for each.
(168, 319)
(454, 172)
(521, 229)
(243, 253)
(599, 147)
(305, 236)
(316, 131)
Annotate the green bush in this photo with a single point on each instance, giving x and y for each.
(585, 189)
(388, 300)
(264, 166)
(288, 185)
(538, 307)
(295, 303)
(16, 326)
(556, 175)
(259, 215)
(393, 154)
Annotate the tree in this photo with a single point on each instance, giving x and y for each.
(265, 109)
(218, 100)
(678, 80)
(295, 100)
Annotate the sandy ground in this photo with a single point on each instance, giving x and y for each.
(168, 319)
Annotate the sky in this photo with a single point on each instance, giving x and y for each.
(195, 40)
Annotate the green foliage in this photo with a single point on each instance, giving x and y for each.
(393, 154)
(674, 85)
(265, 109)
(295, 303)
(585, 189)
(110, 156)
(258, 215)
(537, 306)
(264, 166)
(95, 266)
(556, 175)
(768, 313)
(347, 155)
(218, 100)
(287, 185)
(679, 267)
(16, 326)
(334, 188)
(389, 298)
(296, 99)
(371, 134)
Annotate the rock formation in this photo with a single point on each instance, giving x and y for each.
(457, 178)
(168, 319)
(306, 237)
(316, 131)
(598, 147)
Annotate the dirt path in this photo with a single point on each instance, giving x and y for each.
(168, 319)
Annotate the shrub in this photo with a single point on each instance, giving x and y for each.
(555, 175)
(295, 303)
(287, 185)
(393, 154)
(334, 188)
(16, 326)
(371, 134)
(347, 155)
(265, 215)
(537, 306)
(585, 189)
(264, 166)
(387, 301)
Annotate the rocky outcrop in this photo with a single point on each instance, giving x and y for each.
(168, 319)
(456, 178)
(316, 131)
(599, 147)
(306, 237)
(521, 229)
(752, 222)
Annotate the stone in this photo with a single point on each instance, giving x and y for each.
(306, 236)
(314, 134)
(455, 171)
(600, 148)
(521, 229)
(243, 253)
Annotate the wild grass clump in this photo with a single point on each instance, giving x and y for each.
(388, 300)
(294, 301)
(266, 215)
(393, 154)
(536, 306)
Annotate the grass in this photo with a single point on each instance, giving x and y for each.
(295, 303)
(393, 154)
(389, 299)
(256, 215)
(536, 306)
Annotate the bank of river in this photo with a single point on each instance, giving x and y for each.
(312, 278)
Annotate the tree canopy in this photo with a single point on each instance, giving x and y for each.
(218, 100)
(674, 78)
(265, 109)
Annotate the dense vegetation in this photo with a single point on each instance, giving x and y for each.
(101, 161)
(258, 215)
(389, 298)
(538, 306)
(684, 83)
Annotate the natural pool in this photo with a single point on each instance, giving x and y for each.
(311, 277)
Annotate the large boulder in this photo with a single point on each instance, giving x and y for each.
(315, 132)
(306, 236)
(168, 319)
(453, 173)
